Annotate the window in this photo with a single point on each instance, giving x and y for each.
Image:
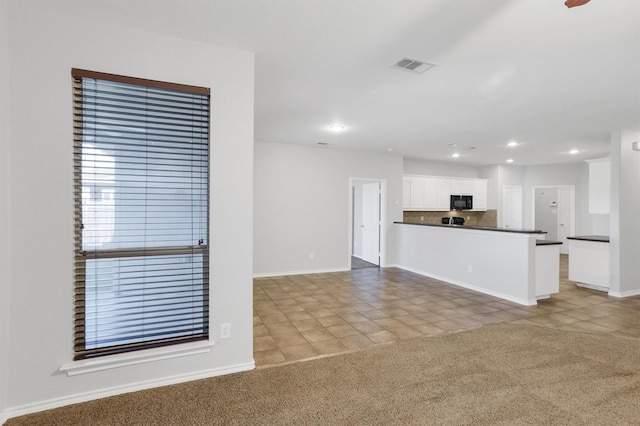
(141, 185)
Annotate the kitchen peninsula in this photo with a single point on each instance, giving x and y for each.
(501, 262)
(589, 261)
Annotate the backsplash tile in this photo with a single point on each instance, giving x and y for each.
(487, 218)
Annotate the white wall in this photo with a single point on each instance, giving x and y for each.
(301, 205)
(434, 168)
(625, 205)
(44, 46)
(576, 174)
(492, 175)
(5, 211)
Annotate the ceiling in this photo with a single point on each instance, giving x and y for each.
(551, 78)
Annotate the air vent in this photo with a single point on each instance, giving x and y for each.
(413, 65)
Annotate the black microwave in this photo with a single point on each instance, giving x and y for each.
(461, 202)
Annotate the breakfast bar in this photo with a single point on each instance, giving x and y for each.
(513, 264)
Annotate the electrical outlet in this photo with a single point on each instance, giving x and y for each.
(469, 268)
(225, 330)
(312, 256)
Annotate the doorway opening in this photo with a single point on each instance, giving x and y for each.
(366, 233)
(554, 212)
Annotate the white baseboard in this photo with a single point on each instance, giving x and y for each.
(517, 300)
(625, 293)
(305, 272)
(118, 390)
(3, 417)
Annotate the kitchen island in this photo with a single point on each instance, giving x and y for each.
(589, 261)
(501, 262)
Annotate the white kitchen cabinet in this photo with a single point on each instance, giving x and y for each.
(406, 192)
(443, 194)
(417, 192)
(432, 193)
(599, 185)
(461, 186)
(480, 194)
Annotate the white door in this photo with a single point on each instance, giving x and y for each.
(512, 207)
(565, 207)
(371, 222)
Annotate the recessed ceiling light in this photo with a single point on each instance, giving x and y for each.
(336, 127)
(512, 144)
(510, 160)
(574, 151)
(455, 155)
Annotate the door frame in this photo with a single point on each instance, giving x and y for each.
(572, 215)
(383, 218)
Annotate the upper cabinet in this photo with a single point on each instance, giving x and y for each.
(406, 193)
(461, 186)
(599, 185)
(431, 193)
(480, 194)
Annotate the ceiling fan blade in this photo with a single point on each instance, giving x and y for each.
(573, 3)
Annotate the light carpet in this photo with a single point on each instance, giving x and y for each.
(495, 375)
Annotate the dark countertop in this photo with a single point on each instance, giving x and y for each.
(548, 243)
(481, 228)
(595, 238)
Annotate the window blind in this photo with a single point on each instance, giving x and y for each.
(141, 186)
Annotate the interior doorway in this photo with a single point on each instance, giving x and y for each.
(366, 231)
(511, 207)
(554, 212)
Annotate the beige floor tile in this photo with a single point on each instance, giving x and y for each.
(303, 316)
(297, 316)
(289, 339)
(405, 333)
(358, 341)
(428, 329)
(264, 343)
(342, 330)
(366, 326)
(329, 346)
(260, 331)
(331, 321)
(298, 352)
(375, 314)
(383, 336)
(268, 357)
(353, 317)
(317, 335)
(307, 324)
(321, 312)
(281, 328)
(388, 323)
(274, 318)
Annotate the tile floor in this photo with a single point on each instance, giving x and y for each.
(307, 316)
